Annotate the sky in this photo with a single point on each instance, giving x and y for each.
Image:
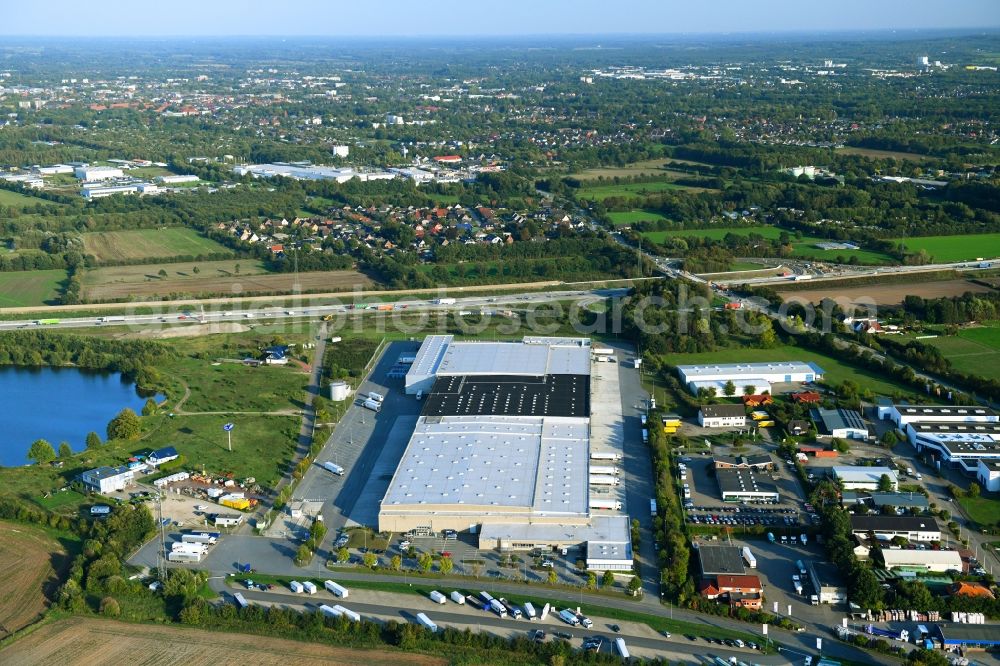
(359, 18)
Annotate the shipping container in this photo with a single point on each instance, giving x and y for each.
(198, 537)
(602, 351)
(458, 598)
(610, 505)
(749, 558)
(183, 557)
(426, 621)
(309, 587)
(377, 397)
(545, 612)
(437, 597)
(336, 589)
(373, 405)
(329, 611)
(604, 469)
(296, 586)
(620, 646)
(348, 613)
(529, 610)
(241, 602)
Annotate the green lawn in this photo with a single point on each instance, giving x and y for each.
(18, 200)
(973, 350)
(148, 243)
(955, 248)
(24, 288)
(983, 510)
(602, 192)
(836, 371)
(804, 247)
(633, 216)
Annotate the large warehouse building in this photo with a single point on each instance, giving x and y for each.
(503, 447)
(760, 376)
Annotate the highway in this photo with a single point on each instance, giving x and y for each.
(194, 316)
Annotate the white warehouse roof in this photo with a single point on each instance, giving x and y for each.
(773, 371)
(494, 463)
(937, 560)
(858, 474)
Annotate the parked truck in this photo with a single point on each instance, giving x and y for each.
(458, 598)
(612, 505)
(605, 469)
(183, 557)
(599, 455)
(512, 610)
(240, 600)
(620, 646)
(895, 634)
(296, 587)
(309, 587)
(474, 601)
(437, 597)
(545, 612)
(498, 608)
(377, 397)
(108, 320)
(373, 405)
(336, 589)
(426, 621)
(604, 480)
(444, 301)
(749, 558)
(186, 547)
(199, 537)
(333, 468)
(569, 617)
(529, 611)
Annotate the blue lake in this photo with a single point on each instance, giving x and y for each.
(58, 405)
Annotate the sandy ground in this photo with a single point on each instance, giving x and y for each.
(193, 330)
(25, 568)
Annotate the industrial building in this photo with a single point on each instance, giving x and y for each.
(828, 583)
(761, 376)
(722, 416)
(503, 447)
(958, 445)
(922, 560)
(840, 423)
(307, 171)
(885, 528)
(988, 475)
(94, 173)
(901, 415)
(858, 477)
(742, 485)
(108, 479)
(759, 462)
(876, 499)
(968, 636)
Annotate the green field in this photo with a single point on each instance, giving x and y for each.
(803, 247)
(633, 216)
(836, 371)
(147, 243)
(973, 350)
(602, 192)
(945, 249)
(983, 510)
(18, 200)
(24, 288)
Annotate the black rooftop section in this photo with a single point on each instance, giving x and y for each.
(717, 560)
(509, 395)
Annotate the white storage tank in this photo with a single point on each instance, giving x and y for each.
(339, 391)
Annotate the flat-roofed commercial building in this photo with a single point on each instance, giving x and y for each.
(840, 423)
(922, 560)
(503, 447)
(828, 583)
(758, 375)
(988, 475)
(885, 528)
(857, 477)
(958, 445)
(722, 416)
(904, 414)
(720, 560)
(743, 485)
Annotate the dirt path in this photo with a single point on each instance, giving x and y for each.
(88, 641)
